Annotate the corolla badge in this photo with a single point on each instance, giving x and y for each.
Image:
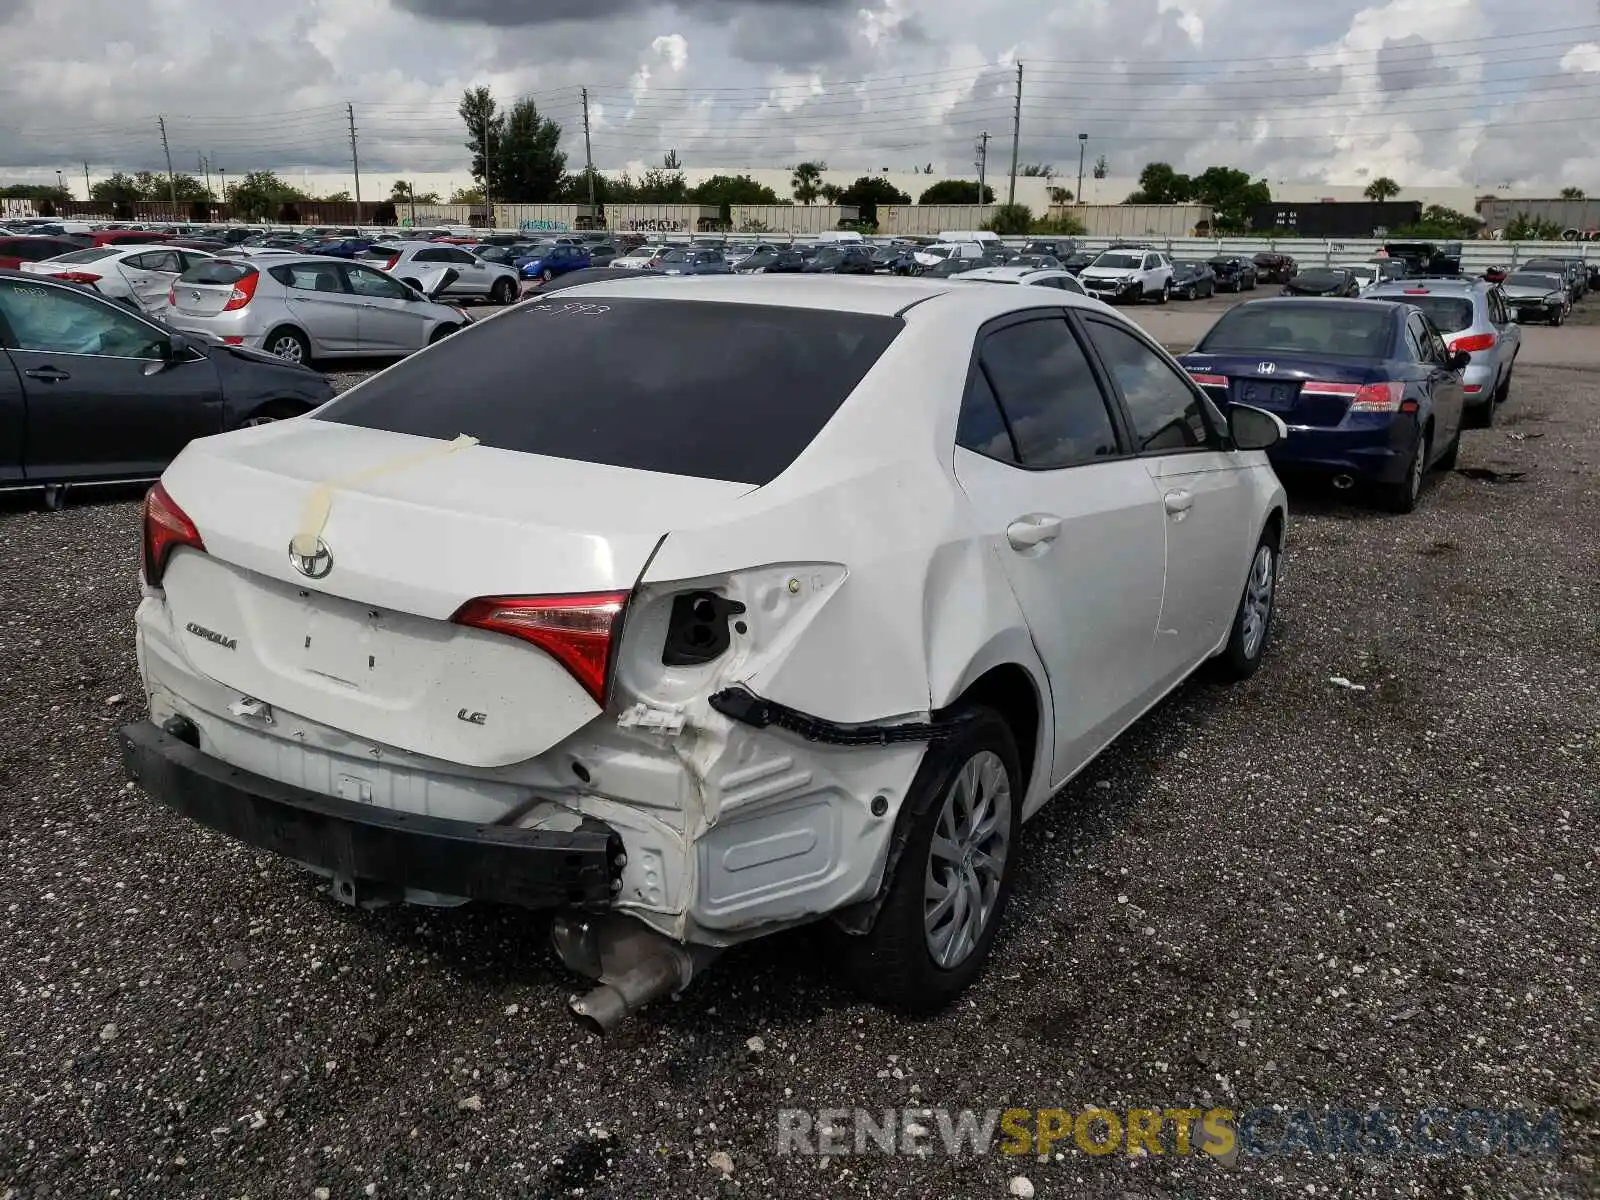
(314, 565)
(1266, 368)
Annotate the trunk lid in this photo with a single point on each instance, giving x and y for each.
(205, 290)
(1287, 389)
(370, 648)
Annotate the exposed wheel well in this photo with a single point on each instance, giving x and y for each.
(1274, 526)
(1010, 691)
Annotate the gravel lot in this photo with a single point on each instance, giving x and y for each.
(1289, 892)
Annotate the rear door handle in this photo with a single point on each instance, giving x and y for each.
(1026, 532)
(47, 374)
(1179, 501)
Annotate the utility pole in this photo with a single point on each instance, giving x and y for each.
(172, 182)
(1083, 139)
(983, 167)
(86, 195)
(588, 153)
(222, 176)
(355, 163)
(205, 167)
(1016, 134)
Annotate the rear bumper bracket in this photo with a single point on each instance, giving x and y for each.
(740, 704)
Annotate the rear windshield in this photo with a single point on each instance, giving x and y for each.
(1285, 327)
(83, 256)
(1450, 313)
(718, 391)
(217, 271)
(1319, 278)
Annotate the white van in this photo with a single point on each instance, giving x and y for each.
(932, 256)
(839, 235)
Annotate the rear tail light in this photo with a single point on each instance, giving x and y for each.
(1207, 380)
(1478, 341)
(79, 277)
(1364, 397)
(577, 631)
(172, 296)
(394, 260)
(166, 527)
(243, 292)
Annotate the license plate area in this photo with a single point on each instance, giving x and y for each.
(343, 643)
(1266, 394)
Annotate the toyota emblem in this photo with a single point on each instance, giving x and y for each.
(1266, 368)
(312, 566)
(195, 296)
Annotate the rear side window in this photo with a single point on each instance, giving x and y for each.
(221, 271)
(716, 391)
(1052, 413)
(309, 276)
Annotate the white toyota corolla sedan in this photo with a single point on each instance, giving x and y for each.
(695, 612)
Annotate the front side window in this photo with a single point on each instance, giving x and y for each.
(369, 283)
(1165, 409)
(59, 320)
(1034, 379)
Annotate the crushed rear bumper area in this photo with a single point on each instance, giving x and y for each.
(527, 867)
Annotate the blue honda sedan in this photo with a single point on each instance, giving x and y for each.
(547, 261)
(1370, 392)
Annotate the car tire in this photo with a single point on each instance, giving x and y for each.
(895, 963)
(546, 275)
(1165, 293)
(1558, 319)
(1481, 416)
(1402, 496)
(1447, 461)
(504, 292)
(273, 411)
(1503, 393)
(1252, 620)
(290, 345)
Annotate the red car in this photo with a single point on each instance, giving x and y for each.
(127, 237)
(14, 251)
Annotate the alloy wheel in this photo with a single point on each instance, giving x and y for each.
(1258, 601)
(289, 349)
(967, 859)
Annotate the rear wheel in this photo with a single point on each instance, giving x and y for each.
(1402, 495)
(950, 886)
(1482, 415)
(1165, 293)
(289, 345)
(503, 292)
(1503, 392)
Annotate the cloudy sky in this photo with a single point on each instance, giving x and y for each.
(1465, 92)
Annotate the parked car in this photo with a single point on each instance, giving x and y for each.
(96, 393)
(602, 254)
(1057, 248)
(127, 237)
(693, 260)
(1234, 273)
(842, 259)
(419, 264)
(342, 247)
(1272, 267)
(771, 262)
(639, 258)
(1473, 316)
(301, 307)
(665, 557)
(1561, 268)
(553, 258)
(1496, 274)
(1128, 276)
(596, 275)
(138, 275)
(1366, 274)
(1370, 392)
(947, 268)
(26, 248)
(1193, 280)
(1426, 258)
(1026, 276)
(1534, 296)
(1075, 262)
(1323, 281)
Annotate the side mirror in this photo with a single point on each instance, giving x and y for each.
(1460, 360)
(1255, 428)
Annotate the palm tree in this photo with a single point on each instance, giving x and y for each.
(807, 181)
(1382, 188)
(1572, 193)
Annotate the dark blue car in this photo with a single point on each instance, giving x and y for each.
(344, 247)
(552, 259)
(1369, 390)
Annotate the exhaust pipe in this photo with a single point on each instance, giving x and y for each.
(633, 966)
(1343, 483)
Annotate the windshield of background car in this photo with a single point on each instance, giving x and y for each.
(678, 402)
(1450, 313)
(1288, 328)
(1548, 282)
(1120, 262)
(1319, 279)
